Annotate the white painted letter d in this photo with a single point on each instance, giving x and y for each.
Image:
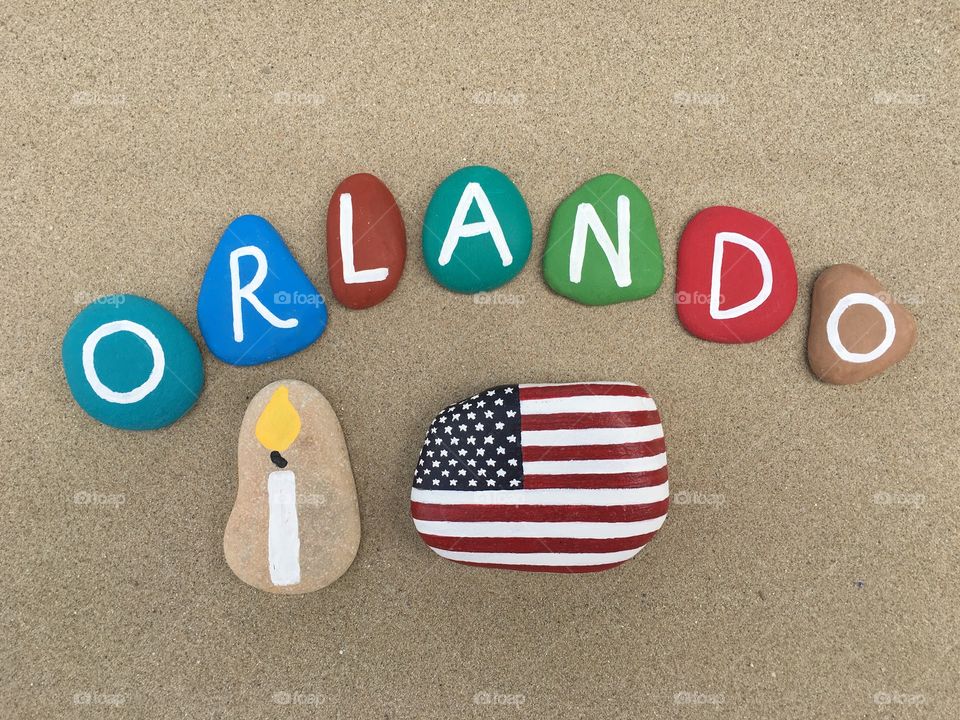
(765, 289)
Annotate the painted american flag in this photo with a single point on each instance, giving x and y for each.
(558, 478)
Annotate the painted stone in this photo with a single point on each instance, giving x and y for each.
(736, 280)
(603, 246)
(131, 364)
(548, 478)
(476, 231)
(366, 242)
(857, 330)
(295, 525)
(255, 303)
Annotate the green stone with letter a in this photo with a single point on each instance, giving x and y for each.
(476, 231)
(603, 246)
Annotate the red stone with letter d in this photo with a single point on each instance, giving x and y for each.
(736, 280)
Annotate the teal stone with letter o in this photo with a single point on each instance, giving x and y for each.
(477, 233)
(131, 364)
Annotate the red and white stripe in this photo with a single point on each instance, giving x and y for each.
(595, 486)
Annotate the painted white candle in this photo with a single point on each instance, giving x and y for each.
(283, 538)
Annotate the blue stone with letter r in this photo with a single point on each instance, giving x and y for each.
(131, 364)
(256, 304)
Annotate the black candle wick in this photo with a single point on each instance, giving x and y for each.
(278, 459)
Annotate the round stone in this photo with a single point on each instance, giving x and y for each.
(736, 280)
(476, 232)
(857, 328)
(131, 364)
(603, 246)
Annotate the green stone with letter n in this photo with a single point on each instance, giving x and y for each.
(603, 246)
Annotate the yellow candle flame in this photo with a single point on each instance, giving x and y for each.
(279, 423)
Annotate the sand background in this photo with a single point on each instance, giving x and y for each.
(809, 566)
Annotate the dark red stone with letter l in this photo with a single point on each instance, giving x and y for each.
(366, 267)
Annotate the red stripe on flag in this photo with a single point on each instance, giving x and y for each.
(546, 568)
(594, 452)
(593, 481)
(538, 513)
(574, 389)
(582, 421)
(536, 545)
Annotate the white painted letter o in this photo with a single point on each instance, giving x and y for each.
(139, 392)
(833, 328)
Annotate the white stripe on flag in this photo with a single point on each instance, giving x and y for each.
(584, 467)
(591, 436)
(551, 559)
(529, 529)
(592, 382)
(601, 497)
(586, 404)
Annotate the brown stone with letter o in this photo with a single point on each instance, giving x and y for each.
(857, 329)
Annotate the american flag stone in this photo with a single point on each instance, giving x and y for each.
(558, 478)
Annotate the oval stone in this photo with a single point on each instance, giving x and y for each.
(857, 329)
(295, 524)
(131, 364)
(570, 477)
(256, 304)
(603, 246)
(366, 242)
(476, 231)
(736, 280)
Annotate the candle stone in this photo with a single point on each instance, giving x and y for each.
(131, 364)
(295, 524)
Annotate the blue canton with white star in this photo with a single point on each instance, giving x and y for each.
(474, 445)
